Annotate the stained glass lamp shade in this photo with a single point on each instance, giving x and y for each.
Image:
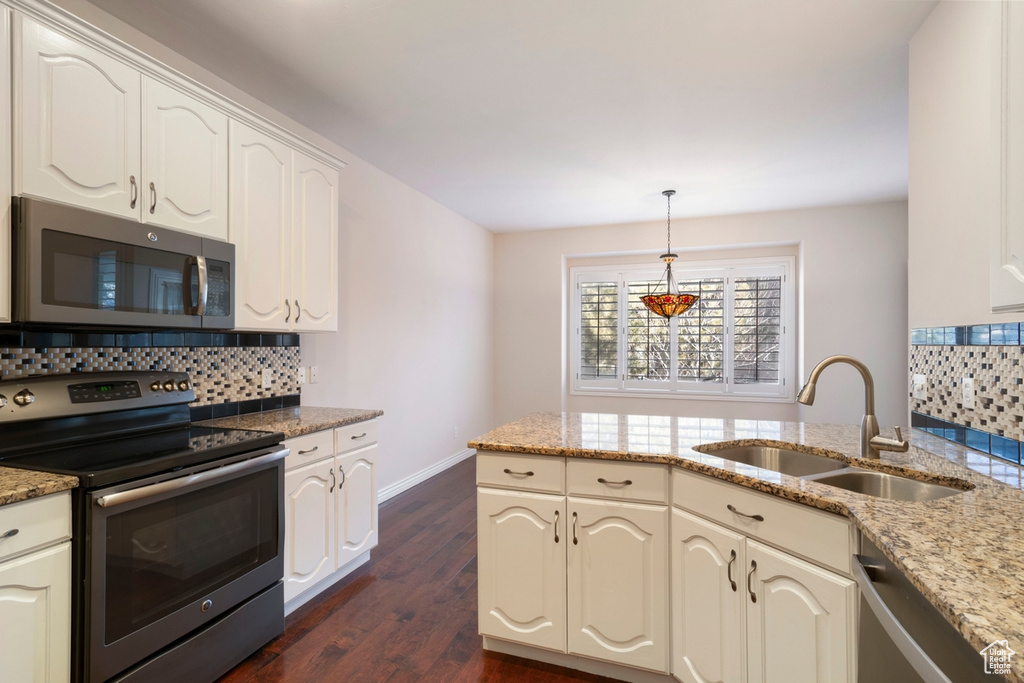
(671, 302)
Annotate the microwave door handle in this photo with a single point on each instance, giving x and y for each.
(186, 285)
(204, 285)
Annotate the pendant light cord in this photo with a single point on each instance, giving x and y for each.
(668, 199)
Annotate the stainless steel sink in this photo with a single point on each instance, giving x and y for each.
(884, 485)
(793, 463)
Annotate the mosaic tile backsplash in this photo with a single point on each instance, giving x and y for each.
(224, 368)
(992, 356)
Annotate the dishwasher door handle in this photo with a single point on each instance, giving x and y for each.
(904, 642)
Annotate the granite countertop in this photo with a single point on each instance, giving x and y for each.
(295, 421)
(17, 485)
(964, 552)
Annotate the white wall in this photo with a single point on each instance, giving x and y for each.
(954, 163)
(854, 302)
(415, 332)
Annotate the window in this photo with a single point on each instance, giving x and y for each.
(736, 342)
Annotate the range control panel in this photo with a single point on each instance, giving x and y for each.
(51, 396)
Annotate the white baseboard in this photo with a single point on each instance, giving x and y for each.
(423, 475)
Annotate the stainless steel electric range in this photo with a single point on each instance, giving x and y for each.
(177, 529)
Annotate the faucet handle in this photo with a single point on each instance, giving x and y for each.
(899, 434)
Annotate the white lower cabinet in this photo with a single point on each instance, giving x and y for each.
(617, 582)
(330, 507)
(521, 539)
(35, 590)
(745, 611)
(585, 576)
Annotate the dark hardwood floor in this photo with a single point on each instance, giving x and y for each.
(410, 614)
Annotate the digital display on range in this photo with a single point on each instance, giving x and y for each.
(94, 392)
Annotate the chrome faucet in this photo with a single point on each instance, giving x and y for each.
(870, 442)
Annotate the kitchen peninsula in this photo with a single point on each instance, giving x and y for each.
(955, 550)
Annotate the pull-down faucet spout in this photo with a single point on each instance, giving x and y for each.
(870, 442)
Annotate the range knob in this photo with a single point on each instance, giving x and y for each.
(183, 385)
(155, 386)
(169, 385)
(24, 397)
(3, 400)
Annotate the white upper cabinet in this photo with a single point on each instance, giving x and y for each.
(89, 136)
(315, 244)
(284, 225)
(185, 158)
(260, 229)
(80, 126)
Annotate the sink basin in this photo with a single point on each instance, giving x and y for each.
(794, 463)
(883, 485)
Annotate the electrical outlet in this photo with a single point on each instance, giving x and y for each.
(300, 376)
(920, 387)
(268, 378)
(967, 392)
(455, 432)
(314, 374)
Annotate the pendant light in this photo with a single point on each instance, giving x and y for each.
(672, 302)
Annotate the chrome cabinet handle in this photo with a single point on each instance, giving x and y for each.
(753, 566)
(556, 526)
(341, 471)
(298, 311)
(333, 480)
(314, 449)
(135, 191)
(624, 482)
(518, 474)
(14, 532)
(359, 436)
(575, 540)
(728, 569)
(288, 315)
(756, 518)
(152, 193)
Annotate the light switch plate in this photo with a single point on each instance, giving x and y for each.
(967, 392)
(920, 387)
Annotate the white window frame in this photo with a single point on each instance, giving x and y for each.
(730, 270)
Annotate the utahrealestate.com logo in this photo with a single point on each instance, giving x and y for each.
(997, 657)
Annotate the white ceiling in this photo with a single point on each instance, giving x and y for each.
(528, 114)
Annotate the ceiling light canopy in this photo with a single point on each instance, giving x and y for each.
(671, 302)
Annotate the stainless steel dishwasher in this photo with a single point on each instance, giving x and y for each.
(903, 637)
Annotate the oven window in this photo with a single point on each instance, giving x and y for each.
(162, 556)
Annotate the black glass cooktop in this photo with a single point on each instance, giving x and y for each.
(102, 462)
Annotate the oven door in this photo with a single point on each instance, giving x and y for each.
(169, 555)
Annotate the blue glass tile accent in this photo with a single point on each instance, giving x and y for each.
(936, 335)
(1006, 334)
(918, 336)
(978, 335)
(977, 440)
(1007, 449)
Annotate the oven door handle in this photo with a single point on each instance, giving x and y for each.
(142, 492)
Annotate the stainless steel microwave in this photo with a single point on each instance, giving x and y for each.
(79, 267)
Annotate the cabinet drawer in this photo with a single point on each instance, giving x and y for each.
(634, 481)
(39, 522)
(819, 536)
(309, 448)
(353, 436)
(524, 472)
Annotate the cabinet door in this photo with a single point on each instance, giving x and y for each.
(707, 601)
(801, 628)
(5, 168)
(35, 617)
(617, 582)
(184, 163)
(80, 112)
(260, 228)
(356, 504)
(309, 526)
(315, 246)
(521, 567)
